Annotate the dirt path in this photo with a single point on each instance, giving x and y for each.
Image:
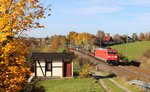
(125, 89)
(104, 86)
(114, 82)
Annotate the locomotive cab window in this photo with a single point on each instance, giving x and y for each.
(48, 66)
(112, 52)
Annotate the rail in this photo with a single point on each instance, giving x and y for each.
(132, 71)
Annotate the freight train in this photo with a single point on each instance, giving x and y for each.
(108, 55)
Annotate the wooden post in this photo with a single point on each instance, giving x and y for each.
(35, 68)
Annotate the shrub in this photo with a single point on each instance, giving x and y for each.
(75, 73)
(38, 89)
(85, 71)
(121, 56)
(146, 53)
(144, 59)
(33, 86)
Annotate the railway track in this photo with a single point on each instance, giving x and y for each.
(131, 72)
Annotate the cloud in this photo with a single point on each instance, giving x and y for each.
(136, 22)
(139, 2)
(98, 10)
(91, 7)
(137, 16)
(143, 19)
(121, 2)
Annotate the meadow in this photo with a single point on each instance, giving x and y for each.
(133, 50)
(70, 85)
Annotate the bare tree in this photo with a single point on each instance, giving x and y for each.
(118, 38)
(141, 37)
(135, 37)
(100, 34)
(147, 36)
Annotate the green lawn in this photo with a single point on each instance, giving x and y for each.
(133, 88)
(111, 86)
(122, 82)
(134, 50)
(70, 85)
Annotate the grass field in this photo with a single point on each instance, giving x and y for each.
(124, 83)
(70, 85)
(111, 86)
(134, 50)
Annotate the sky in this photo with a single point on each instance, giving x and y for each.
(111, 16)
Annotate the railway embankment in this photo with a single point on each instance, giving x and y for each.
(130, 72)
(127, 72)
(105, 81)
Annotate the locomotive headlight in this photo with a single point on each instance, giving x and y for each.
(115, 56)
(108, 56)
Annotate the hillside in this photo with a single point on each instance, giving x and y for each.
(134, 50)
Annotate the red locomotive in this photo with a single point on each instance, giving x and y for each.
(107, 54)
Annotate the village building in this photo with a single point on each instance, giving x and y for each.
(52, 64)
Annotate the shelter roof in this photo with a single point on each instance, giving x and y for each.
(52, 56)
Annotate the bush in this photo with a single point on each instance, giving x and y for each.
(146, 53)
(38, 89)
(121, 56)
(85, 71)
(144, 59)
(76, 73)
(33, 86)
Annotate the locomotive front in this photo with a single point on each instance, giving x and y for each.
(107, 54)
(112, 56)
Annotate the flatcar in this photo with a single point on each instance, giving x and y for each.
(109, 55)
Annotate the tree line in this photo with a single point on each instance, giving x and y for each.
(59, 43)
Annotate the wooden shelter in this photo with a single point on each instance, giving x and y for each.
(53, 64)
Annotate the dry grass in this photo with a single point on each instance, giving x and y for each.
(145, 63)
(124, 82)
(145, 60)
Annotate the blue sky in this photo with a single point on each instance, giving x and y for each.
(111, 16)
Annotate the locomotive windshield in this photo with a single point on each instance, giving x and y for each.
(112, 52)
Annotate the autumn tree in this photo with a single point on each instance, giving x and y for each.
(134, 36)
(142, 36)
(64, 44)
(124, 38)
(72, 37)
(54, 42)
(100, 35)
(16, 16)
(80, 39)
(90, 39)
(147, 36)
(118, 38)
(86, 39)
(58, 43)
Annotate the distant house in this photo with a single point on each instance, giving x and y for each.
(52, 64)
(130, 39)
(108, 40)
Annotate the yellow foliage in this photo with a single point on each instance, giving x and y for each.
(85, 72)
(16, 16)
(13, 70)
(80, 39)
